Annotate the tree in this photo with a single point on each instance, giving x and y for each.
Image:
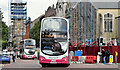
(4, 35)
(35, 32)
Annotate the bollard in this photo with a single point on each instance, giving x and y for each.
(71, 55)
(111, 59)
(98, 58)
(79, 59)
(116, 54)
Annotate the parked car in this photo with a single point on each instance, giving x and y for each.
(5, 57)
(5, 51)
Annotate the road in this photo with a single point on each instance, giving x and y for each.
(22, 63)
(29, 63)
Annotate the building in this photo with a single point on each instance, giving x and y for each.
(51, 11)
(108, 18)
(61, 7)
(82, 21)
(30, 24)
(18, 16)
(37, 20)
(28, 27)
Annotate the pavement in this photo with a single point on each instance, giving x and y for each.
(100, 65)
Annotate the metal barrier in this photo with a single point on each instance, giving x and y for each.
(91, 59)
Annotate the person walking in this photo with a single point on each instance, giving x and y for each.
(13, 56)
(108, 55)
(103, 56)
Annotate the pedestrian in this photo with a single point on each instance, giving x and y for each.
(103, 55)
(108, 55)
(13, 56)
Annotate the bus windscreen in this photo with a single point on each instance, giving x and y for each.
(54, 36)
(29, 43)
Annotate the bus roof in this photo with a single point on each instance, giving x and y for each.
(55, 17)
(29, 39)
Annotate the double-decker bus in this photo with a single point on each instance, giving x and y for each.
(27, 48)
(54, 41)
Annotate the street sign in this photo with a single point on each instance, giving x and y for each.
(78, 53)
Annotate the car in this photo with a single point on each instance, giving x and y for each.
(5, 51)
(5, 58)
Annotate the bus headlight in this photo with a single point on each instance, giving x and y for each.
(42, 58)
(25, 56)
(65, 58)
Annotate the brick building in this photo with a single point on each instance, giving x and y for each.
(51, 11)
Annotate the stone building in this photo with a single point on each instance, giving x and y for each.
(51, 11)
(61, 7)
(82, 22)
(108, 18)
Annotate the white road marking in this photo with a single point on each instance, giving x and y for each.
(1, 65)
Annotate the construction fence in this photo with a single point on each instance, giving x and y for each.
(89, 53)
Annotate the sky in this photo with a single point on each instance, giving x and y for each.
(35, 8)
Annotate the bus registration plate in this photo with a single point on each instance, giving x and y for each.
(53, 62)
(29, 56)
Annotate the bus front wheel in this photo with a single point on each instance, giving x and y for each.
(43, 65)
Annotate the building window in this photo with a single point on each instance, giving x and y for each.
(105, 27)
(110, 26)
(108, 21)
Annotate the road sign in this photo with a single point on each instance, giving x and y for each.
(78, 53)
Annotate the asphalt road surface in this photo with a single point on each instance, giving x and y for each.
(24, 64)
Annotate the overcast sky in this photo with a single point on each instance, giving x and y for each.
(35, 8)
(38, 7)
